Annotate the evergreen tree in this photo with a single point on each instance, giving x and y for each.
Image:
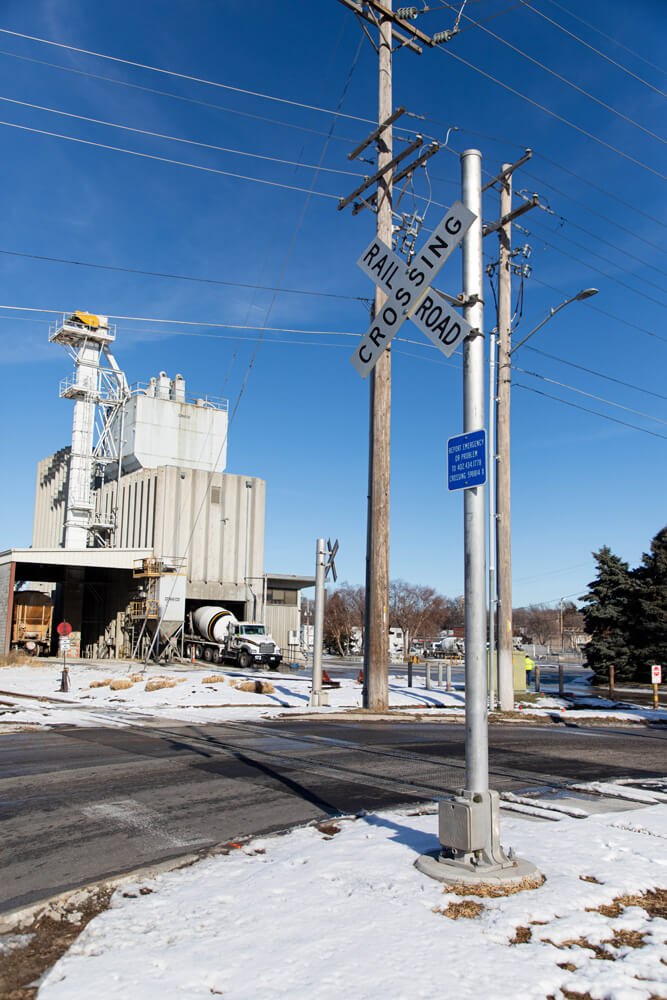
(607, 611)
(649, 628)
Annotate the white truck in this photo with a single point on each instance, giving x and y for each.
(217, 636)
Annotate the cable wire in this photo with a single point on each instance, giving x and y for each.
(562, 79)
(553, 114)
(166, 159)
(593, 371)
(176, 138)
(186, 76)
(661, 69)
(176, 97)
(585, 409)
(602, 55)
(590, 395)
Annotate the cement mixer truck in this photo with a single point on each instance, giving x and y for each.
(217, 636)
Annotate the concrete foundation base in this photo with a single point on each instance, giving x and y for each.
(461, 873)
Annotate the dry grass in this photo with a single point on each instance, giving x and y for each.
(654, 902)
(492, 891)
(256, 687)
(136, 678)
(468, 909)
(121, 684)
(522, 935)
(100, 684)
(590, 878)
(17, 658)
(158, 683)
(214, 679)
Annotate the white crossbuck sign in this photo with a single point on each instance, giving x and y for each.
(409, 293)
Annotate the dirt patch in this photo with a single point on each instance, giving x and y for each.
(121, 684)
(491, 891)
(522, 935)
(328, 828)
(52, 933)
(468, 909)
(590, 878)
(214, 679)
(101, 684)
(256, 687)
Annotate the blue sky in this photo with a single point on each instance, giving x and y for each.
(580, 479)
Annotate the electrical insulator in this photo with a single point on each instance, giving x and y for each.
(407, 13)
(442, 36)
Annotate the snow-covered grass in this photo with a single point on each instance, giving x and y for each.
(114, 693)
(340, 911)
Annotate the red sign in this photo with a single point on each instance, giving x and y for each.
(64, 628)
(656, 674)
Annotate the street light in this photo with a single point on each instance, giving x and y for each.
(500, 542)
(586, 293)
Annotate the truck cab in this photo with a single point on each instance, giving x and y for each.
(252, 644)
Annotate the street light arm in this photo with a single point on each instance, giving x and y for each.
(552, 312)
(585, 294)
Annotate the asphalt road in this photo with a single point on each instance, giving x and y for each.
(77, 805)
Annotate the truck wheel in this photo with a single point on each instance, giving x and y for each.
(208, 654)
(197, 651)
(217, 658)
(244, 659)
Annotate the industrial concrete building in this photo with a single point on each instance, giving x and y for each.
(137, 522)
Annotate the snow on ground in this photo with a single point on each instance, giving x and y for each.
(194, 698)
(321, 916)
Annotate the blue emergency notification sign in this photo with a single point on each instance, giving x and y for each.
(466, 460)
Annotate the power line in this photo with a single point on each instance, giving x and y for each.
(593, 371)
(175, 138)
(591, 267)
(186, 76)
(603, 312)
(593, 49)
(182, 277)
(176, 97)
(579, 177)
(576, 406)
(582, 392)
(562, 79)
(166, 159)
(596, 187)
(552, 114)
(605, 218)
(660, 69)
(593, 253)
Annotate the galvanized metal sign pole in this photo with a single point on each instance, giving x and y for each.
(469, 823)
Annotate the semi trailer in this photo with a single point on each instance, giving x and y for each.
(217, 636)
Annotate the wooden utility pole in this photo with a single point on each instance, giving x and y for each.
(376, 645)
(503, 508)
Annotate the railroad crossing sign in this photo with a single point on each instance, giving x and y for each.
(331, 565)
(64, 628)
(409, 293)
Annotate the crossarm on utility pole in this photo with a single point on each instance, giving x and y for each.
(493, 227)
(379, 174)
(376, 134)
